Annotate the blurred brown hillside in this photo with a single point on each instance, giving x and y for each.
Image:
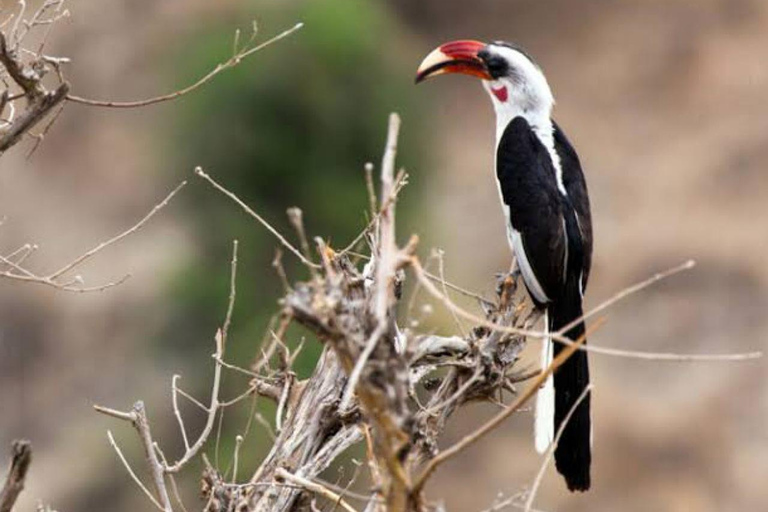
(667, 104)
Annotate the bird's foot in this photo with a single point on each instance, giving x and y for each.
(506, 287)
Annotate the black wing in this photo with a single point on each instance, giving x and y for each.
(576, 186)
(529, 190)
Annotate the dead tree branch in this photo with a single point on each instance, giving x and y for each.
(238, 55)
(21, 457)
(393, 389)
(11, 265)
(23, 70)
(159, 469)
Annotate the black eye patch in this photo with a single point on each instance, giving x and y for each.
(497, 66)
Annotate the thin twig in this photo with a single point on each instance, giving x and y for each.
(632, 354)
(458, 394)
(125, 416)
(441, 269)
(212, 409)
(192, 399)
(132, 473)
(231, 62)
(296, 218)
(75, 284)
(218, 436)
(277, 264)
(199, 171)
(232, 294)
(316, 488)
(238, 444)
(264, 423)
(371, 189)
(385, 268)
(458, 289)
(177, 412)
(172, 478)
(400, 182)
(281, 405)
(242, 396)
(156, 468)
(630, 290)
(511, 501)
(78, 261)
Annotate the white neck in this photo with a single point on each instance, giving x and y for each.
(536, 110)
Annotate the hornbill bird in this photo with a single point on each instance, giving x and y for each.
(549, 227)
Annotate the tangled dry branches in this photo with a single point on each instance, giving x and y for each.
(393, 390)
(35, 89)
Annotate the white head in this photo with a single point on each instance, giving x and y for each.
(514, 82)
(517, 85)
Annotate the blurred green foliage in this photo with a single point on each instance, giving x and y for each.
(291, 126)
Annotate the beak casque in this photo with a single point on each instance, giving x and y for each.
(454, 57)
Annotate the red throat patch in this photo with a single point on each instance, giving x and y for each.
(500, 93)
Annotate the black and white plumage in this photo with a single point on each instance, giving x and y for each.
(544, 198)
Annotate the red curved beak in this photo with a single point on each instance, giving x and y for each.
(454, 57)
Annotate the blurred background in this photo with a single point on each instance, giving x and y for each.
(666, 102)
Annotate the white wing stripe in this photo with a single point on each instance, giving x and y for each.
(516, 241)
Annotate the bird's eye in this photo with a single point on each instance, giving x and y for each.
(497, 66)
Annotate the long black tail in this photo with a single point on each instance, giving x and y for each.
(573, 455)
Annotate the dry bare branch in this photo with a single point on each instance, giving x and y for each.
(316, 488)
(57, 279)
(213, 408)
(26, 70)
(138, 418)
(632, 354)
(394, 390)
(200, 172)
(234, 60)
(387, 265)
(23, 70)
(494, 422)
(21, 457)
(133, 229)
(176, 411)
(131, 472)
